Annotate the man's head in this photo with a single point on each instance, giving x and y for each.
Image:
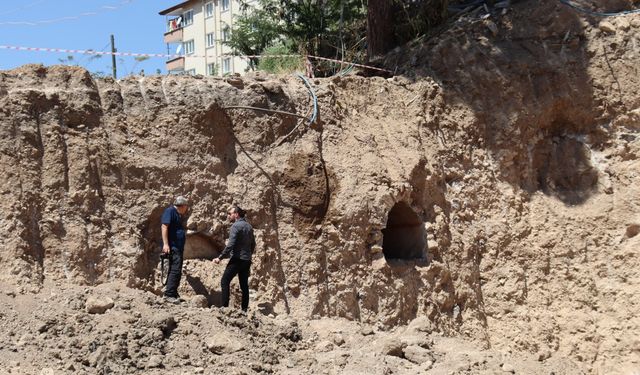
(182, 205)
(234, 213)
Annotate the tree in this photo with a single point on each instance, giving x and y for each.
(254, 31)
(325, 28)
(380, 30)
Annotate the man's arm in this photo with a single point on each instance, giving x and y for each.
(165, 239)
(231, 243)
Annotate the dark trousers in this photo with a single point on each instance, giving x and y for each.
(241, 268)
(175, 273)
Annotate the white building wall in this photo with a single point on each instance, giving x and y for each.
(198, 61)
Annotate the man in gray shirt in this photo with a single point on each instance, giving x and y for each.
(239, 249)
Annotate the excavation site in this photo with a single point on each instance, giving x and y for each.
(475, 212)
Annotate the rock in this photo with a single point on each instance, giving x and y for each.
(165, 322)
(623, 24)
(97, 357)
(607, 27)
(154, 361)
(366, 331)
(338, 339)
(289, 330)
(324, 346)
(544, 354)
(199, 301)
(635, 23)
(47, 371)
(98, 305)
(421, 324)
(417, 354)
(507, 367)
(393, 347)
(222, 344)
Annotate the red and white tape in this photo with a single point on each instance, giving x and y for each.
(173, 56)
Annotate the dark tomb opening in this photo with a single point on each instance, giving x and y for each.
(405, 236)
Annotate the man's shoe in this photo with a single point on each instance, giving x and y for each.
(173, 300)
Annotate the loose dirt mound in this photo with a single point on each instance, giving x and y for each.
(509, 146)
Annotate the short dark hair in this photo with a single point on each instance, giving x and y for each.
(238, 210)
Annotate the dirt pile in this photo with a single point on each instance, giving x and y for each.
(489, 192)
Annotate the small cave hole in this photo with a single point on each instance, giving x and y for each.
(405, 236)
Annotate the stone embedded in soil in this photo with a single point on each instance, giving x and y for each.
(154, 361)
(607, 27)
(393, 346)
(623, 24)
(221, 344)
(324, 346)
(98, 305)
(507, 367)
(417, 354)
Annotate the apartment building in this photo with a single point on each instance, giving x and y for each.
(195, 31)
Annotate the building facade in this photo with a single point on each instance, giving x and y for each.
(196, 31)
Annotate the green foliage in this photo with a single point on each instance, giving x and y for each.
(327, 28)
(280, 65)
(315, 27)
(253, 31)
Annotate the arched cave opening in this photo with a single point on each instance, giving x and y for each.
(198, 246)
(404, 237)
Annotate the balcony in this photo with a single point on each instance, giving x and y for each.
(176, 64)
(173, 36)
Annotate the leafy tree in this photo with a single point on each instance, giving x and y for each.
(333, 28)
(314, 27)
(254, 31)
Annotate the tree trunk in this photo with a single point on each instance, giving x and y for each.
(380, 33)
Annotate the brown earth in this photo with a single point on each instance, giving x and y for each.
(475, 214)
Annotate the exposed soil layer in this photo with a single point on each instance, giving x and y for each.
(487, 194)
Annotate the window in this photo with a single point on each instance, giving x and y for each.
(208, 10)
(226, 34)
(211, 40)
(187, 18)
(188, 47)
(226, 65)
(211, 69)
(191, 72)
(225, 5)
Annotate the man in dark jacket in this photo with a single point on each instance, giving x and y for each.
(173, 240)
(239, 249)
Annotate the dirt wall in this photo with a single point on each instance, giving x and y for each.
(512, 154)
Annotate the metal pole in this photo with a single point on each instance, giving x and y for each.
(113, 57)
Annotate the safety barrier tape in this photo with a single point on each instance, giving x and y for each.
(174, 56)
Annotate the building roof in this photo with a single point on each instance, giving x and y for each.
(174, 8)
